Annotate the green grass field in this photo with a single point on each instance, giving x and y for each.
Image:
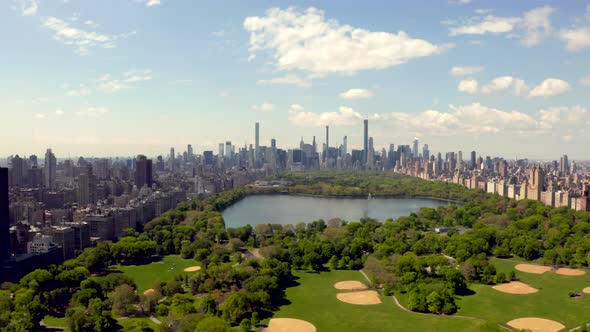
(314, 300)
(147, 275)
(551, 302)
(137, 324)
(55, 321)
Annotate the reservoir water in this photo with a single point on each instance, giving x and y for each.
(286, 209)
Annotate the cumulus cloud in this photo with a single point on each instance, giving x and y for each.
(489, 24)
(460, 71)
(307, 41)
(576, 39)
(138, 75)
(59, 112)
(264, 107)
(287, 80)
(460, 2)
(345, 116)
(356, 94)
(537, 24)
(468, 86)
(82, 39)
(29, 7)
(151, 3)
(550, 87)
(532, 27)
(93, 112)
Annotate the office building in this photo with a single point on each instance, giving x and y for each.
(50, 170)
(143, 172)
(366, 140)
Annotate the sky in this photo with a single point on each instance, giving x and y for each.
(124, 77)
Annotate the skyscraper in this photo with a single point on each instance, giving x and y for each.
(143, 172)
(473, 161)
(564, 165)
(344, 146)
(366, 141)
(415, 148)
(189, 152)
(50, 170)
(4, 216)
(17, 170)
(327, 142)
(87, 187)
(257, 143)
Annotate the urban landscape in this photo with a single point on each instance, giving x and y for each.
(321, 166)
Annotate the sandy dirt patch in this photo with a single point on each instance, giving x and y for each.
(288, 325)
(586, 290)
(350, 285)
(192, 269)
(536, 324)
(515, 287)
(360, 298)
(564, 271)
(530, 268)
(149, 291)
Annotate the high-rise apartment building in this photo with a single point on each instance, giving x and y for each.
(365, 140)
(415, 148)
(50, 170)
(143, 172)
(256, 143)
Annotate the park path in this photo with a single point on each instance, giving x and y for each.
(426, 314)
(155, 320)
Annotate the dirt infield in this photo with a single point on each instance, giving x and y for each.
(515, 287)
(536, 324)
(289, 325)
(192, 269)
(350, 285)
(586, 290)
(361, 298)
(530, 268)
(564, 271)
(149, 291)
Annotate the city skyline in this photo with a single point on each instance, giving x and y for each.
(85, 80)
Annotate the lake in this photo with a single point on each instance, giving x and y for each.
(287, 209)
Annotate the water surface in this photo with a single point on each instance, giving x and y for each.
(287, 209)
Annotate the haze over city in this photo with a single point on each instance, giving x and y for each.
(120, 78)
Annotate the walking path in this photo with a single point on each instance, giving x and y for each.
(426, 314)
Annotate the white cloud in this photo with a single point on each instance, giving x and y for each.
(93, 112)
(585, 81)
(460, 2)
(471, 119)
(138, 75)
(112, 86)
(537, 25)
(82, 39)
(489, 24)
(264, 107)
(532, 28)
(345, 116)
(81, 91)
(576, 39)
(39, 116)
(287, 80)
(59, 112)
(356, 94)
(29, 7)
(151, 3)
(307, 41)
(468, 86)
(459, 71)
(550, 87)
(567, 138)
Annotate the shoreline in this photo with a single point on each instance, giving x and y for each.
(363, 196)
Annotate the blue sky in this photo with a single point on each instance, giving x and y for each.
(122, 77)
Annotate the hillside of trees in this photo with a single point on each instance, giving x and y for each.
(233, 289)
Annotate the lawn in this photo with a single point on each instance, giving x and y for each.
(314, 300)
(147, 275)
(55, 321)
(551, 302)
(137, 324)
